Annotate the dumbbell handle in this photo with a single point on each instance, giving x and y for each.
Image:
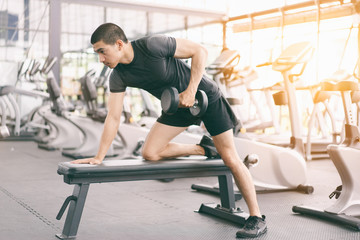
(196, 103)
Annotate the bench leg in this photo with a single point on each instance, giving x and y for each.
(227, 195)
(227, 210)
(73, 216)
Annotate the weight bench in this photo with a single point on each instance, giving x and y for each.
(82, 175)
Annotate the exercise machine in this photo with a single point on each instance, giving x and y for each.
(26, 128)
(294, 57)
(242, 86)
(63, 133)
(345, 156)
(18, 99)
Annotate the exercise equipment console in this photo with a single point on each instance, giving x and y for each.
(82, 175)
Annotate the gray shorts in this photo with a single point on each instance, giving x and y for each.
(217, 119)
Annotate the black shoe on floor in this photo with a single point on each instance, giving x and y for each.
(254, 227)
(209, 147)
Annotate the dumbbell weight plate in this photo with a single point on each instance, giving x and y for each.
(170, 100)
(200, 105)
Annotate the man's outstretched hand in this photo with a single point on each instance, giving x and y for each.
(92, 161)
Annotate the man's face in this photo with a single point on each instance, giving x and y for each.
(108, 54)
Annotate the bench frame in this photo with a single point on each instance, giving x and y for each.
(137, 170)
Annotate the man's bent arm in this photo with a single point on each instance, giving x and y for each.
(198, 54)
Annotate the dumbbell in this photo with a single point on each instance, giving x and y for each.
(170, 102)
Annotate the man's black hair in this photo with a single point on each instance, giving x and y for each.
(109, 33)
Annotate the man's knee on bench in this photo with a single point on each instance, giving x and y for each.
(151, 156)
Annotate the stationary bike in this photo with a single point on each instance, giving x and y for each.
(345, 156)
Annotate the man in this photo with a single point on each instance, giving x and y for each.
(154, 63)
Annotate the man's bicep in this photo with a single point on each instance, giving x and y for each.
(186, 48)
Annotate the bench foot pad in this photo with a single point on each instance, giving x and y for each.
(60, 236)
(237, 216)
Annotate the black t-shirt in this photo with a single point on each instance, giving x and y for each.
(154, 68)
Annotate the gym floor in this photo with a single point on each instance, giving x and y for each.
(31, 194)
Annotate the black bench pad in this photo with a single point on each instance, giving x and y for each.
(133, 169)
